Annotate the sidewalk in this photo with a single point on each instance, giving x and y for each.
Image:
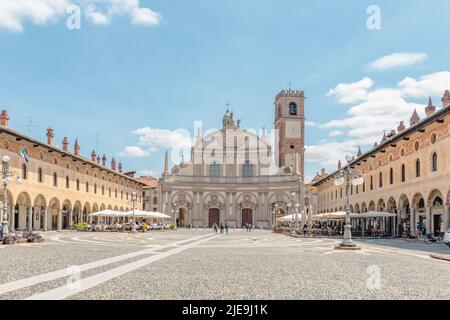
(445, 257)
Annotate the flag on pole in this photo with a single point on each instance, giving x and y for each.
(23, 154)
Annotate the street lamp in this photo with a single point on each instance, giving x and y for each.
(174, 210)
(293, 203)
(133, 203)
(6, 179)
(350, 177)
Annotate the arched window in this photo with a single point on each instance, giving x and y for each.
(391, 176)
(292, 109)
(78, 185)
(434, 164)
(115, 193)
(109, 191)
(121, 194)
(67, 182)
(40, 175)
(417, 168)
(24, 172)
(87, 186)
(380, 182)
(403, 173)
(95, 188)
(103, 190)
(364, 186)
(371, 182)
(55, 179)
(155, 200)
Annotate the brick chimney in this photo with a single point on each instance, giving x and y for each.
(76, 148)
(104, 161)
(446, 98)
(4, 118)
(120, 167)
(98, 159)
(414, 118)
(50, 136)
(401, 127)
(93, 156)
(65, 144)
(113, 164)
(430, 109)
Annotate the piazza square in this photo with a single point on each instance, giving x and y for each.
(190, 168)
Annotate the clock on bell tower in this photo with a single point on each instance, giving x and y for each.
(289, 122)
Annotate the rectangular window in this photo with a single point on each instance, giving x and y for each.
(214, 170)
(247, 169)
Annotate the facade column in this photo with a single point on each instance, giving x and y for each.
(45, 219)
(447, 216)
(71, 218)
(428, 219)
(59, 220)
(12, 216)
(412, 222)
(30, 218)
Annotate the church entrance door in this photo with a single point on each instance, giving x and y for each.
(214, 217)
(247, 216)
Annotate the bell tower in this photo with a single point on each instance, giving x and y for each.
(290, 125)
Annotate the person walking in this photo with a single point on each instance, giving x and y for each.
(305, 229)
(221, 228)
(215, 228)
(227, 226)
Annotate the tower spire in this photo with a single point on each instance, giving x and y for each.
(166, 163)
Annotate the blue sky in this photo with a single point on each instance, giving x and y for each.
(181, 60)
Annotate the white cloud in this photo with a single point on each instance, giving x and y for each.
(336, 133)
(15, 13)
(351, 92)
(310, 123)
(179, 139)
(145, 17)
(397, 60)
(147, 173)
(39, 12)
(136, 152)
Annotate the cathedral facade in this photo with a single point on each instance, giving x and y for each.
(241, 176)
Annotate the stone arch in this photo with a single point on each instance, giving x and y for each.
(102, 207)
(372, 206)
(53, 213)
(86, 212)
(357, 208)
(404, 215)
(109, 207)
(363, 207)
(391, 205)
(77, 212)
(435, 202)
(66, 214)
(22, 212)
(95, 208)
(381, 206)
(39, 208)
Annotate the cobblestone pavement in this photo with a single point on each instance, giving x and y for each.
(197, 264)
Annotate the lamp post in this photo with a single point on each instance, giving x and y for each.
(133, 203)
(6, 175)
(350, 177)
(174, 210)
(293, 203)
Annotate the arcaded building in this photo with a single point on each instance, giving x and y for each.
(407, 173)
(60, 188)
(241, 176)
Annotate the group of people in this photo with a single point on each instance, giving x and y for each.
(122, 226)
(223, 227)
